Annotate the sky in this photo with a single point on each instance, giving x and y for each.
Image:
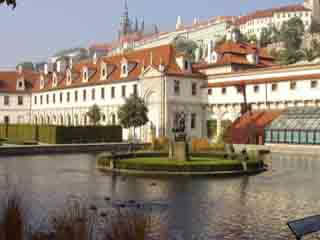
(37, 29)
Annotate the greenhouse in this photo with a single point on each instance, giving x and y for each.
(295, 126)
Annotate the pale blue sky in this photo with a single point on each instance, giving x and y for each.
(36, 29)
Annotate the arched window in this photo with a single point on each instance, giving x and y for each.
(113, 119)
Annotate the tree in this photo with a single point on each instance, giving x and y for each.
(94, 114)
(289, 56)
(26, 65)
(185, 46)
(134, 113)
(292, 33)
(9, 3)
(266, 36)
(252, 39)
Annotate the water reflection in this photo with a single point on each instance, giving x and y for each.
(249, 207)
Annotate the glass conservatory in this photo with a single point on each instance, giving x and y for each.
(295, 126)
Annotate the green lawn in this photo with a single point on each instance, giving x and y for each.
(193, 161)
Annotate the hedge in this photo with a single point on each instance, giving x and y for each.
(60, 134)
(232, 166)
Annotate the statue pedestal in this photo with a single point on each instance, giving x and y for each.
(179, 151)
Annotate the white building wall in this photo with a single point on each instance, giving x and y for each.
(16, 113)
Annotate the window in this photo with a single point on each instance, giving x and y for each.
(20, 84)
(93, 94)
(124, 69)
(6, 119)
(239, 90)
(76, 96)
(256, 88)
(41, 100)
(68, 96)
(210, 91)
(123, 90)
(84, 95)
(293, 85)
(85, 76)
(54, 98)
(193, 120)
(177, 87)
(35, 100)
(113, 119)
(314, 83)
(6, 100)
(186, 65)
(194, 89)
(113, 92)
(47, 98)
(223, 90)
(135, 89)
(274, 87)
(102, 93)
(61, 97)
(20, 100)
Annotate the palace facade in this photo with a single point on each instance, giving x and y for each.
(215, 88)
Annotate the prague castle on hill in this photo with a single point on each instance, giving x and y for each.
(218, 82)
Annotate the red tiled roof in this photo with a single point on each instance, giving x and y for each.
(8, 80)
(264, 80)
(165, 54)
(256, 121)
(236, 53)
(269, 13)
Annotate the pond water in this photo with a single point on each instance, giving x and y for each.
(255, 207)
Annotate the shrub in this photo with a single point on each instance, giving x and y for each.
(217, 147)
(160, 144)
(198, 145)
(12, 223)
(128, 226)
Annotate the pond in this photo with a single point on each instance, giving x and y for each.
(255, 207)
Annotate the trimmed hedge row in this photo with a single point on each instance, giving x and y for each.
(232, 166)
(60, 134)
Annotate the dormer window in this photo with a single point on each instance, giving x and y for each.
(54, 80)
(85, 74)
(20, 84)
(41, 82)
(124, 68)
(69, 77)
(103, 71)
(186, 65)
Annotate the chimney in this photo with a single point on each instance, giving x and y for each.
(20, 69)
(70, 62)
(179, 23)
(45, 70)
(209, 51)
(58, 66)
(94, 58)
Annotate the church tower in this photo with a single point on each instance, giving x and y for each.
(125, 24)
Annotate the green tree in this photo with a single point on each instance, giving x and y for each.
(26, 65)
(289, 56)
(292, 33)
(134, 113)
(94, 114)
(252, 39)
(313, 52)
(9, 3)
(266, 36)
(185, 46)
